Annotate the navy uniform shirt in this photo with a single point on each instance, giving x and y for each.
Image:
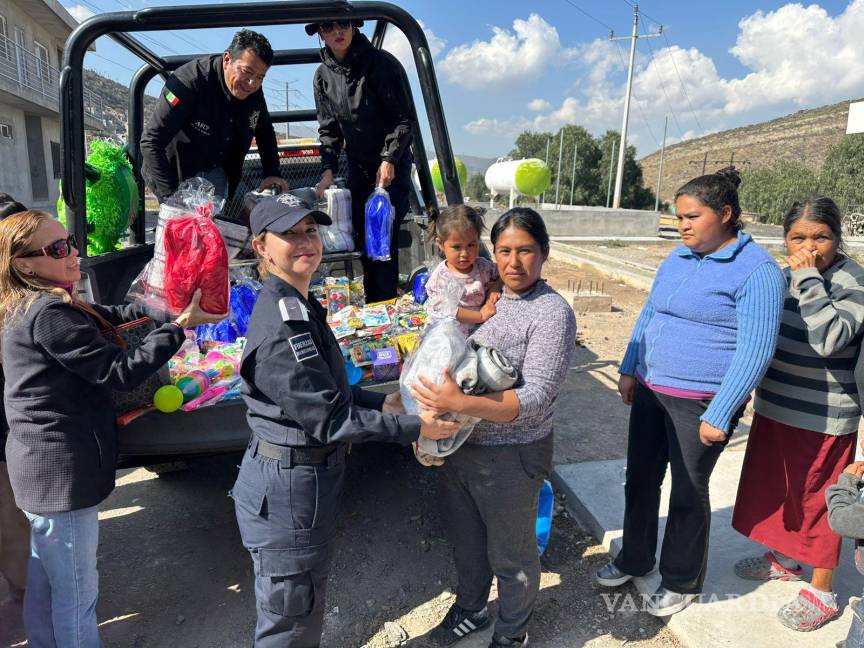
(198, 125)
(295, 384)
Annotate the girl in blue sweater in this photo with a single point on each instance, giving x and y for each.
(704, 339)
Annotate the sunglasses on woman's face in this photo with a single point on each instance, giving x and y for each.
(57, 250)
(327, 27)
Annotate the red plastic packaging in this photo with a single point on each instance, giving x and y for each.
(195, 257)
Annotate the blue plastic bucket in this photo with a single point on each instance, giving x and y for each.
(545, 509)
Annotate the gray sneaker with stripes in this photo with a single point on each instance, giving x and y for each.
(457, 624)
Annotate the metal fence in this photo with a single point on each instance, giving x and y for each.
(299, 165)
(34, 76)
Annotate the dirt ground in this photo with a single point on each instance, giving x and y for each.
(173, 571)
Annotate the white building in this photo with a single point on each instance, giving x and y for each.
(32, 36)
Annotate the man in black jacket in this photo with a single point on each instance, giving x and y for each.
(364, 107)
(206, 117)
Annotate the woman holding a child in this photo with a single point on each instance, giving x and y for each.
(489, 487)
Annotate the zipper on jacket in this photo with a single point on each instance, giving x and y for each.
(98, 446)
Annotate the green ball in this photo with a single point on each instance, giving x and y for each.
(167, 399)
(438, 181)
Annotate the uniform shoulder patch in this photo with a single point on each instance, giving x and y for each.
(293, 310)
(303, 347)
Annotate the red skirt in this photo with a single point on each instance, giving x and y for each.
(781, 494)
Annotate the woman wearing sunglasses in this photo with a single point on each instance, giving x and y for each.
(62, 445)
(364, 107)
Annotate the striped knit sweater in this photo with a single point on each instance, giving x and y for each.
(536, 332)
(811, 381)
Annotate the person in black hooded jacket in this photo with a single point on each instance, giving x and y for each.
(364, 107)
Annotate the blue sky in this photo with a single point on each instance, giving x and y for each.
(505, 66)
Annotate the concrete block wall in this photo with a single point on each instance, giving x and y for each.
(591, 221)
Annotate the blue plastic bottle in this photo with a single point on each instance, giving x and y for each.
(379, 222)
(545, 509)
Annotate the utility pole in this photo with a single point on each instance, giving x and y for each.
(622, 149)
(287, 108)
(573, 172)
(660, 172)
(543, 197)
(558, 170)
(611, 162)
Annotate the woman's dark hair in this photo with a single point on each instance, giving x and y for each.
(818, 209)
(716, 190)
(525, 219)
(458, 218)
(9, 207)
(246, 39)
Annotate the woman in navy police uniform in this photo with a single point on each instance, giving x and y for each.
(303, 413)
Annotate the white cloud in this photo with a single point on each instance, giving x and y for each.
(80, 12)
(539, 105)
(796, 56)
(508, 57)
(397, 44)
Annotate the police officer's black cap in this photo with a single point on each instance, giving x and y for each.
(312, 28)
(280, 213)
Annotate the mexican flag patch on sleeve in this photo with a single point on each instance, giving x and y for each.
(171, 98)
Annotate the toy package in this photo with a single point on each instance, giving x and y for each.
(379, 223)
(189, 254)
(205, 377)
(338, 237)
(338, 295)
(242, 301)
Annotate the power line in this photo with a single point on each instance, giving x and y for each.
(585, 13)
(663, 86)
(683, 87)
(650, 19)
(105, 58)
(675, 65)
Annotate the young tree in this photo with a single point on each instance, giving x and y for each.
(843, 172)
(770, 191)
(476, 188)
(531, 145)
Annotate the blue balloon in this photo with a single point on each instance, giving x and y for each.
(419, 288)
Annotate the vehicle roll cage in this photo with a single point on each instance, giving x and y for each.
(250, 14)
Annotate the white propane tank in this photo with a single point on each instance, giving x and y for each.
(528, 177)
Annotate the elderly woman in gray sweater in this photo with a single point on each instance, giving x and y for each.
(490, 486)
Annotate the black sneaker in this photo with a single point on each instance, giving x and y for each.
(457, 624)
(505, 642)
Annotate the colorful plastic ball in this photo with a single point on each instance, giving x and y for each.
(168, 399)
(193, 384)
